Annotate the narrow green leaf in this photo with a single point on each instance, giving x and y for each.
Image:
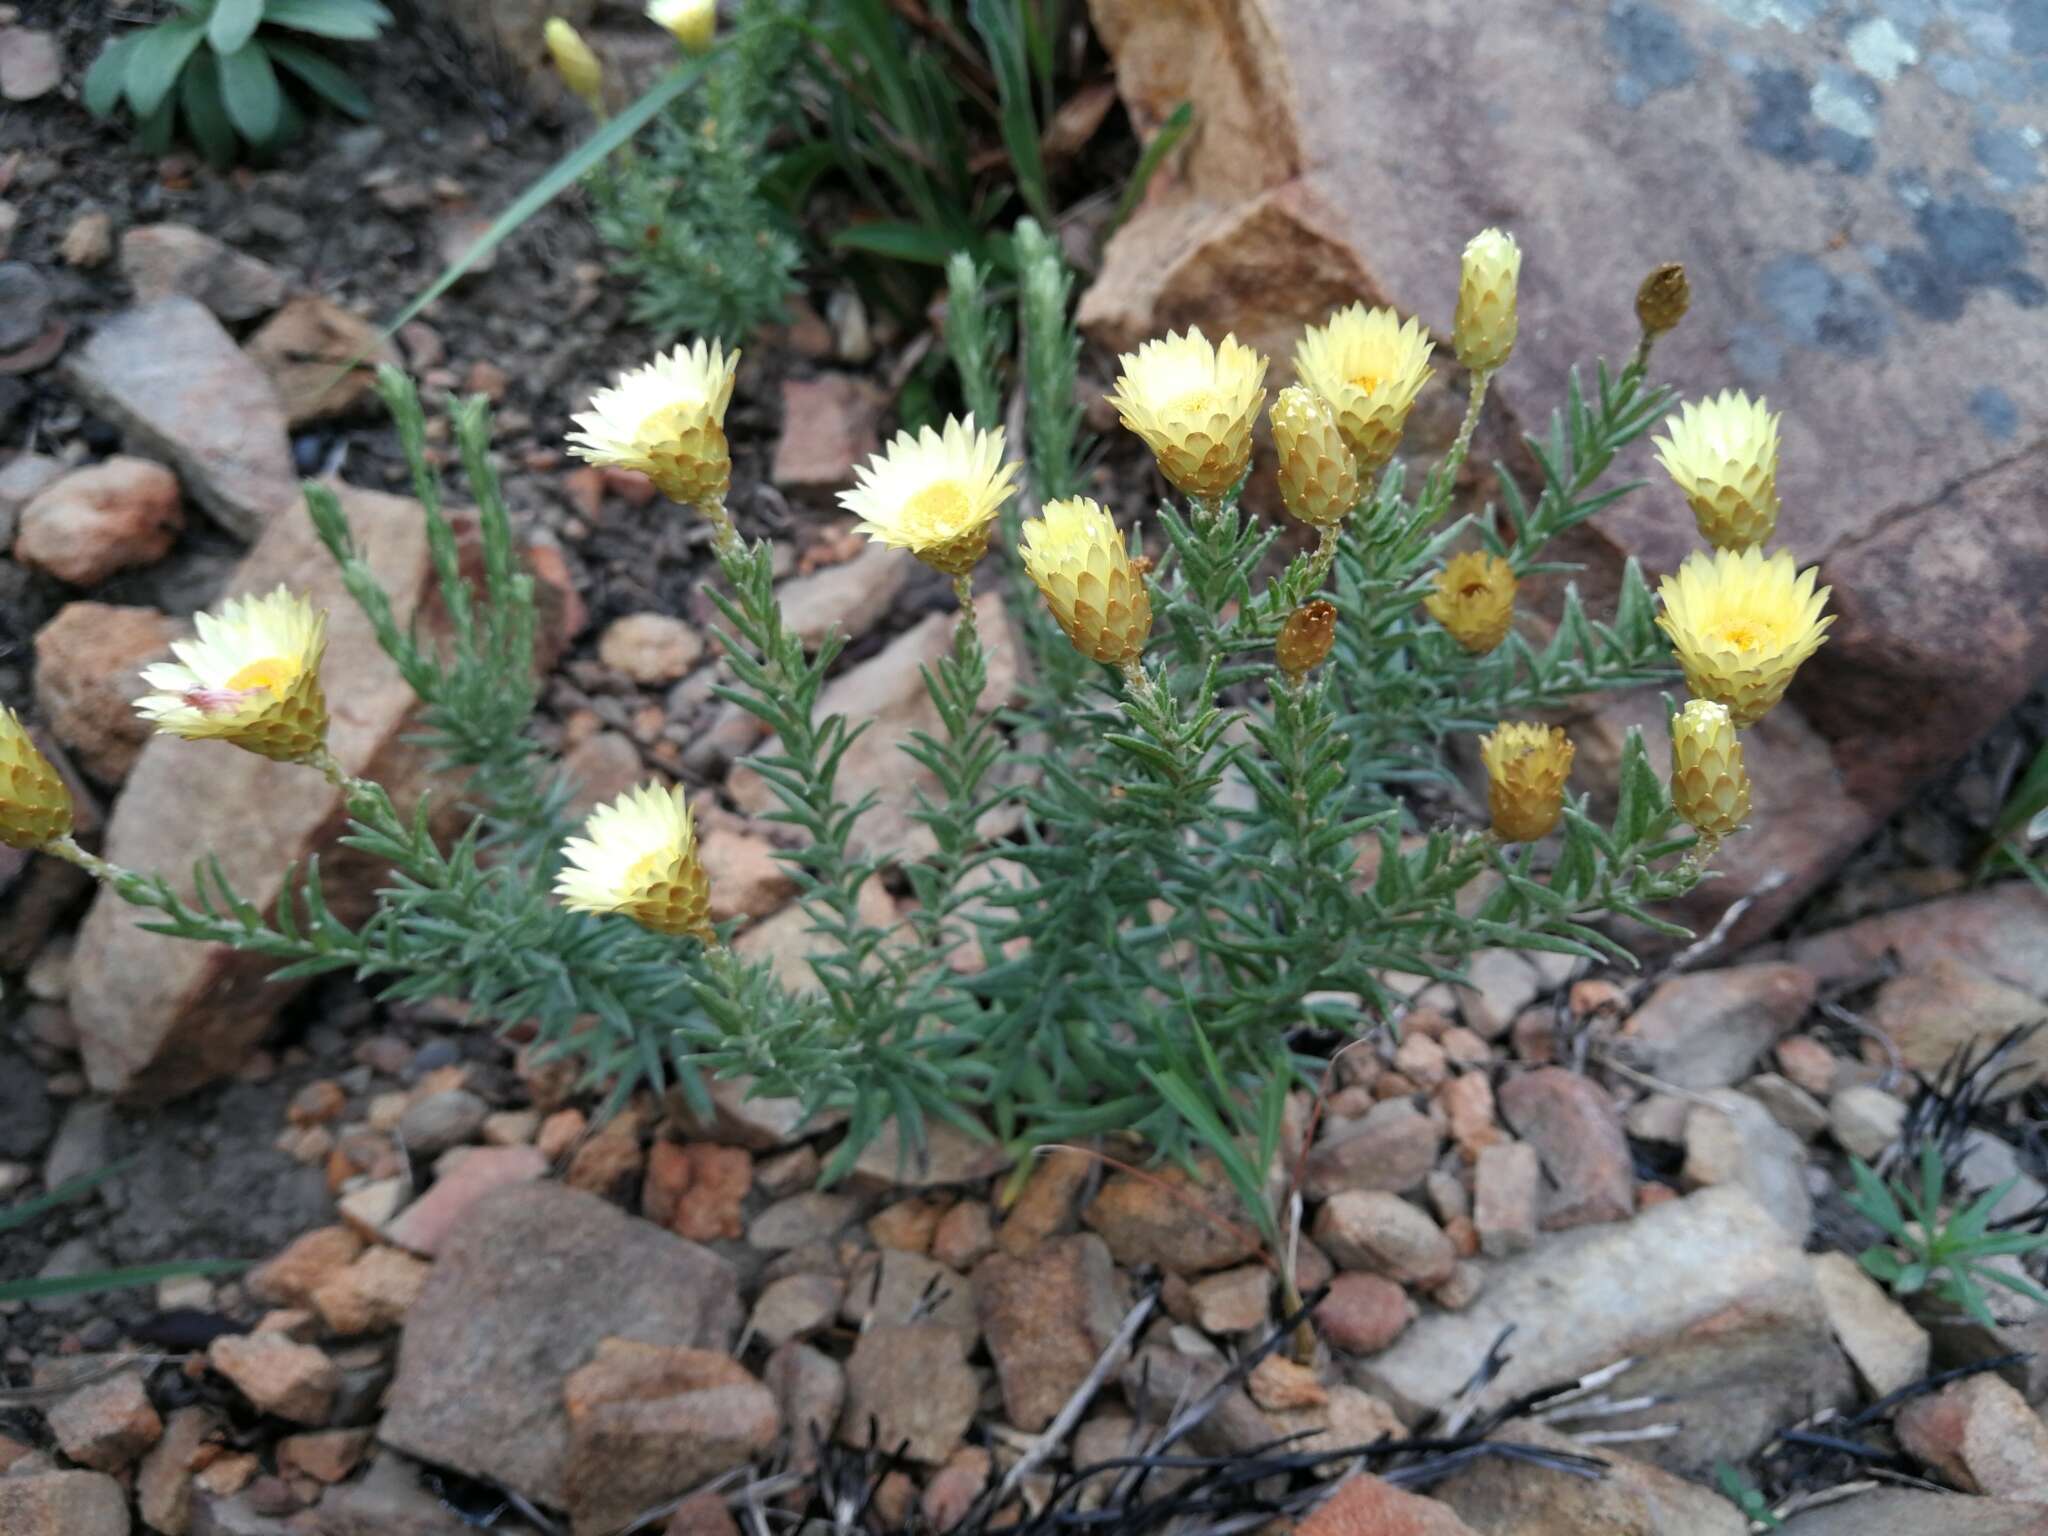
(325, 79)
(114, 1279)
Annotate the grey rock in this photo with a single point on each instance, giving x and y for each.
(1391, 1147)
(1708, 1294)
(1630, 1498)
(1709, 1028)
(390, 1500)
(28, 1116)
(519, 1297)
(432, 1125)
(83, 1145)
(164, 259)
(909, 1385)
(1865, 1120)
(1732, 1139)
(63, 1504)
(181, 391)
(1789, 1104)
(890, 1286)
(76, 1256)
(813, 1216)
(25, 300)
(1902, 1512)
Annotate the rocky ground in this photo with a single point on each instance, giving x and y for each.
(472, 1306)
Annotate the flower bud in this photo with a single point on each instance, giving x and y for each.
(575, 63)
(1526, 766)
(1475, 600)
(1318, 481)
(1709, 786)
(1305, 639)
(1484, 333)
(1723, 453)
(693, 23)
(1663, 299)
(35, 805)
(1075, 554)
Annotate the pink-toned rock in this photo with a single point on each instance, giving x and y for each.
(1045, 1206)
(907, 1225)
(1575, 1131)
(326, 1456)
(308, 1262)
(709, 1208)
(31, 64)
(703, 1514)
(105, 518)
(164, 259)
(2002, 932)
(1708, 1029)
(1809, 1064)
(609, 1162)
(1468, 1104)
(1376, 1231)
(1391, 1147)
(1506, 1189)
(650, 648)
(909, 1385)
(1495, 1493)
(1165, 1218)
(425, 1225)
(851, 596)
(321, 358)
(964, 1236)
(63, 1504)
(1233, 1301)
(89, 661)
(559, 1132)
(1932, 1011)
(293, 1381)
(668, 1175)
(106, 1425)
(954, 1487)
(1365, 1506)
(795, 1307)
(163, 1483)
(372, 1294)
(747, 879)
(1362, 1314)
(829, 425)
(181, 391)
(648, 1422)
(810, 1388)
(1980, 1434)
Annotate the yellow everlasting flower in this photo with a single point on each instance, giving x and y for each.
(1474, 599)
(35, 805)
(1194, 406)
(667, 420)
(1663, 299)
(640, 859)
(1709, 786)
(1318, 481)
(935, 494)
(1076, 555)
(1526, 766)
(1484, 333)
(575, 63)
(692, 23)
(1741, 624)
(252, 677)
(1723, 453)
(1305, 639)
(1369, 366)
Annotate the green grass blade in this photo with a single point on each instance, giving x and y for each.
(114, 1279)
(1164, 142)
(17, 1216)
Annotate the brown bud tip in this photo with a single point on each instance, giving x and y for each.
(1663, 299)
(1305, 639)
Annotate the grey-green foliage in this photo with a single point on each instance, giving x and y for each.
(215, 68)
(688, 210)
(1195, 859)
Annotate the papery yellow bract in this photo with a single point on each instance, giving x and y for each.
(1742, 623)
(639, 859)
(666, 420)
(935, 494)
(1723, 453)
(1484, 332)
(1318, 481)
(1474, 599)
(35, 804)
(1526, 766)
(1194, 405)
(252, 677)
(1369, 365)
(693, 23)
(1075, 554)
(1709, 786)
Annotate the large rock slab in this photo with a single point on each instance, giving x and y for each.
(2002, 931)
(1338, 155)
(1631, 1498)
(520, 1297)
(158, 1017)
(1905, 1512)
(1707, 1029)
(180, 390)
(1708, 1294)
(887, 694)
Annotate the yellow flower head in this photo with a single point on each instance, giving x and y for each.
(1484, 333)
(1723, 453)
(1741, 624)
(1709, 786)
(1474, 599)
(640, 859)
(1194, 406)
(1305, 639)
(1663, 299)
(1526, 766)
(574, 62)
(1318, 481)
(35, 805)
(251, 678)
(1075, 554)
(692, 23)
(1369, 366)
(666, 420)
(935, 494)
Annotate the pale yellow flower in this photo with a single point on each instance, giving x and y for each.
(1075, 553)
(1474, 599)
(1526, 766)
(1369, 366)
(1742, 623)
(639, 859)
(1709, 786)
(1194, 405)
(667, 420)
(1723, 453)
(1484, 332)
(1318, 481)
(575, 63)
(35, 804)
(693, 23)
(935, 494)
(252, 677)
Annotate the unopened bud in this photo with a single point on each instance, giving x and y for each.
(1475, 600)
(1484, 333)
(1526, 766)
(1709, 786)
(1318, 480)
(1663, 299)
(1305, 639)
(575, 63)
(35, 803)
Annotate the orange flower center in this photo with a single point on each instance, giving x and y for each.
(1365, 383)
(273, 672)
